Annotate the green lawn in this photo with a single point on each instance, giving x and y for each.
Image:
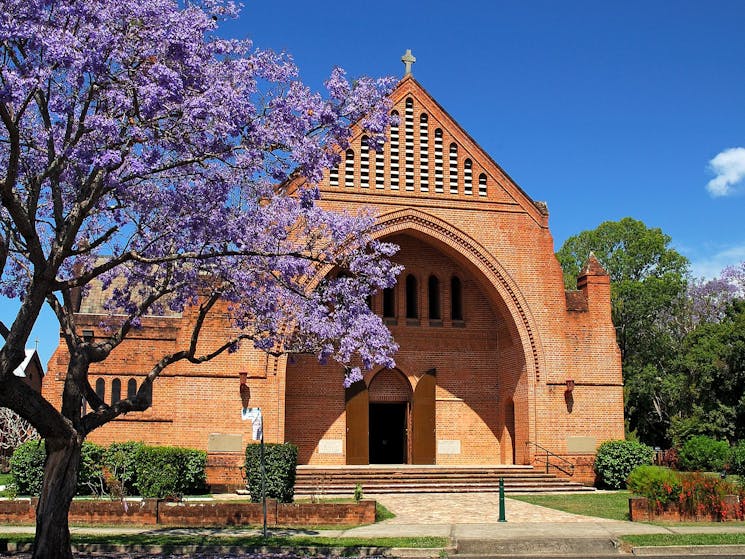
(6, 480)
(684, 539)
(606, 504)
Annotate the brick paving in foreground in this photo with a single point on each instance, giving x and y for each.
(469, 508)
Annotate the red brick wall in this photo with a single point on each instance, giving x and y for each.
(214, 513)
(642, 509)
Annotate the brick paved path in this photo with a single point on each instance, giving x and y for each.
(468, 508)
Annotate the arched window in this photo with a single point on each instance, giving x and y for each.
(349, 168)
(433, 291)
(409, 143)
(438, 160)
(467, 177)
(101, 388)
(423, 153)
(380, 167)
(456, 299)
(482, 184)
(365, 163)
(116, 391)
(131, 388)
(389, 303)
(412, 304)
(334, 176)
(149, 393)
(453, 168)
(394, 151)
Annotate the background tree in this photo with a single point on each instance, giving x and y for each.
(711, 400)
(648, 282)
(14, 431)
(140, 156)
(709, 300)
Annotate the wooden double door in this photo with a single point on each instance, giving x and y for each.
(388, 422)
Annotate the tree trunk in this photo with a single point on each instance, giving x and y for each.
(60, 481)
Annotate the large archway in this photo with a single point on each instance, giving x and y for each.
(471, 365)
(518, 331)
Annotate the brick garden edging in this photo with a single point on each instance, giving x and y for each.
(156, 512)
(642, 510)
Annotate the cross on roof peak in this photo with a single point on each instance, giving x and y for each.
(408, 59)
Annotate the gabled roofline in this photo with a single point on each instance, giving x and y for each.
(31, 355)
(399, 92)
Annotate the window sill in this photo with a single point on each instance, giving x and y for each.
(459, 323)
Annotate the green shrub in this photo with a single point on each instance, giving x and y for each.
(615, 460)
(122, 468)
(120, 460)
(27, 467)
(167, 471)
(737, 460)
(658, 484)
(194, 471)
(90, 470)
(702, 453)
(281, 461)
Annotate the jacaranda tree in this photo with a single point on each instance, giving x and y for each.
(145, 155)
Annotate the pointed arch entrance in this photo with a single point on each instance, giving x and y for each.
(483, 347)
(517, 363)
(390, 398)
(388, 422)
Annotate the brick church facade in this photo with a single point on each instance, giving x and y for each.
(495, 355)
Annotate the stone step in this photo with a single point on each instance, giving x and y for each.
(312, 480)
(459, 482)
(348, 492)
(432, 479)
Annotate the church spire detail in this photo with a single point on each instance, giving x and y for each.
(408, 59)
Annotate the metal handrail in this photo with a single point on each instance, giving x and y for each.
(570, 464)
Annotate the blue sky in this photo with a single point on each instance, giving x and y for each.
(602, 109)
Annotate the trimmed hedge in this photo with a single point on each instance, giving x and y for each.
(657, 483)
(703, 454)
(615, 460)
(169, 471)
(120, 462)
(121, 469)
(90, 470)
(281, 462)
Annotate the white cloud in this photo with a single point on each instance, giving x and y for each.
(729, 167)
(711, 265)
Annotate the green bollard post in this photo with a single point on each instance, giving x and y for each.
(501, 500)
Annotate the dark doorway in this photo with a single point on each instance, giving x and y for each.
(388, 433)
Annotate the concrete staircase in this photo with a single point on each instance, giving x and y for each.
(342, 480)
